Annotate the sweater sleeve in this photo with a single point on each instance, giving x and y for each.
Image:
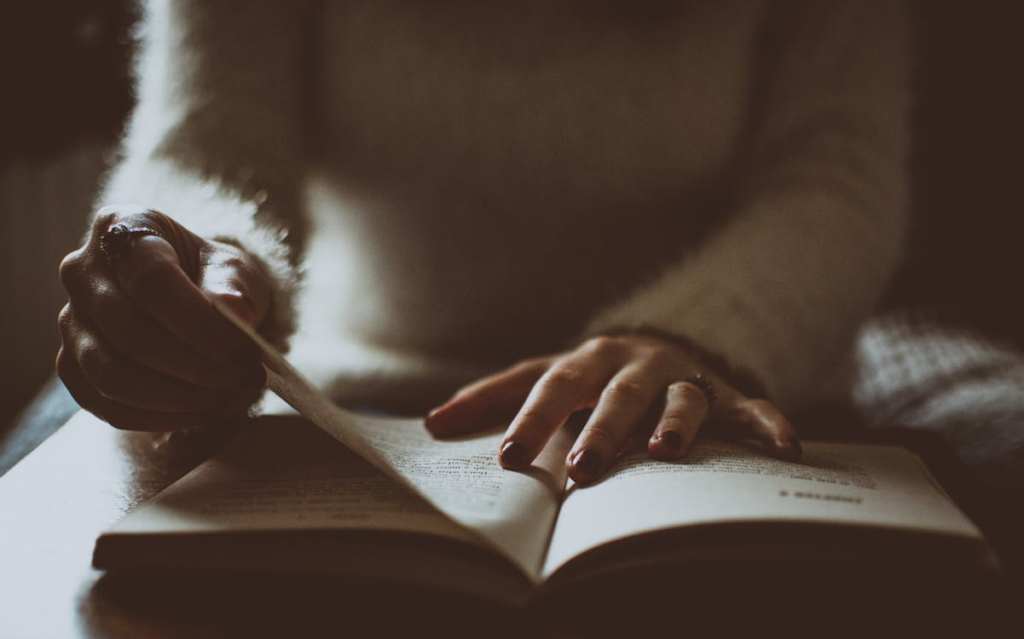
(215, 140)
(820, 210)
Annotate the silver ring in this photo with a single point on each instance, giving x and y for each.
(116, 240)
(705, 386)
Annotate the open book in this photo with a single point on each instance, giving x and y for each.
(395, 504)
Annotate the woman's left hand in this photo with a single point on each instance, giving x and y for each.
(628, 380)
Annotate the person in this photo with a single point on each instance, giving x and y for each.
(669, 214)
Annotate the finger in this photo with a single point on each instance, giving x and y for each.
(624, 403)
(90, 280)
(127, 417)
(135, 334)
(763, 421)
(569, 385)
(686, 408)
(227, 274)
(487, 402)
(124, 381)
(149, 275)
(184, 242)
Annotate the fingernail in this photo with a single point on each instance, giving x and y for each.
(794, 444)
(587, 462)
(671, 439)
(513, 455)
(431, 420)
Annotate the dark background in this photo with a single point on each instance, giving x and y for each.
(64, 70)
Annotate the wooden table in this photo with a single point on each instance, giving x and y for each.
(79, 481)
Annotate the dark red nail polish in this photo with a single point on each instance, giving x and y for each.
(513, 455)
(671, 439)
(587, 462)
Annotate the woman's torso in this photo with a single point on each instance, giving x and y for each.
(487, 179)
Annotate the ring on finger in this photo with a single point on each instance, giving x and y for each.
(116, 240)
(705, 386)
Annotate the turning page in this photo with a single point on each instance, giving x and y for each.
(513, 512)
(282, 473)
(871, 485)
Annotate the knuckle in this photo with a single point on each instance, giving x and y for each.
(97, 365)
(105, 216)
(71, 267)
(626, 390)
(662, 359)
(564, 377)
(602, 346)
(528, 365)
(65, 320)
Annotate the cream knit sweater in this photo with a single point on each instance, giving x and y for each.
(439, 189)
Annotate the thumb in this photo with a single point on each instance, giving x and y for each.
(231, 277)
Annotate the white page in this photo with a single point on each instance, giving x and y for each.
(856, 484)
(513, 511)
(282, 473)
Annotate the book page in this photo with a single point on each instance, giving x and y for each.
(857, 484)
(513, 512)
(282, 473)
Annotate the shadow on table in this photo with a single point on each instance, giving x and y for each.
(808, 598)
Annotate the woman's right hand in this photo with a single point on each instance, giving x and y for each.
(142, 346)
